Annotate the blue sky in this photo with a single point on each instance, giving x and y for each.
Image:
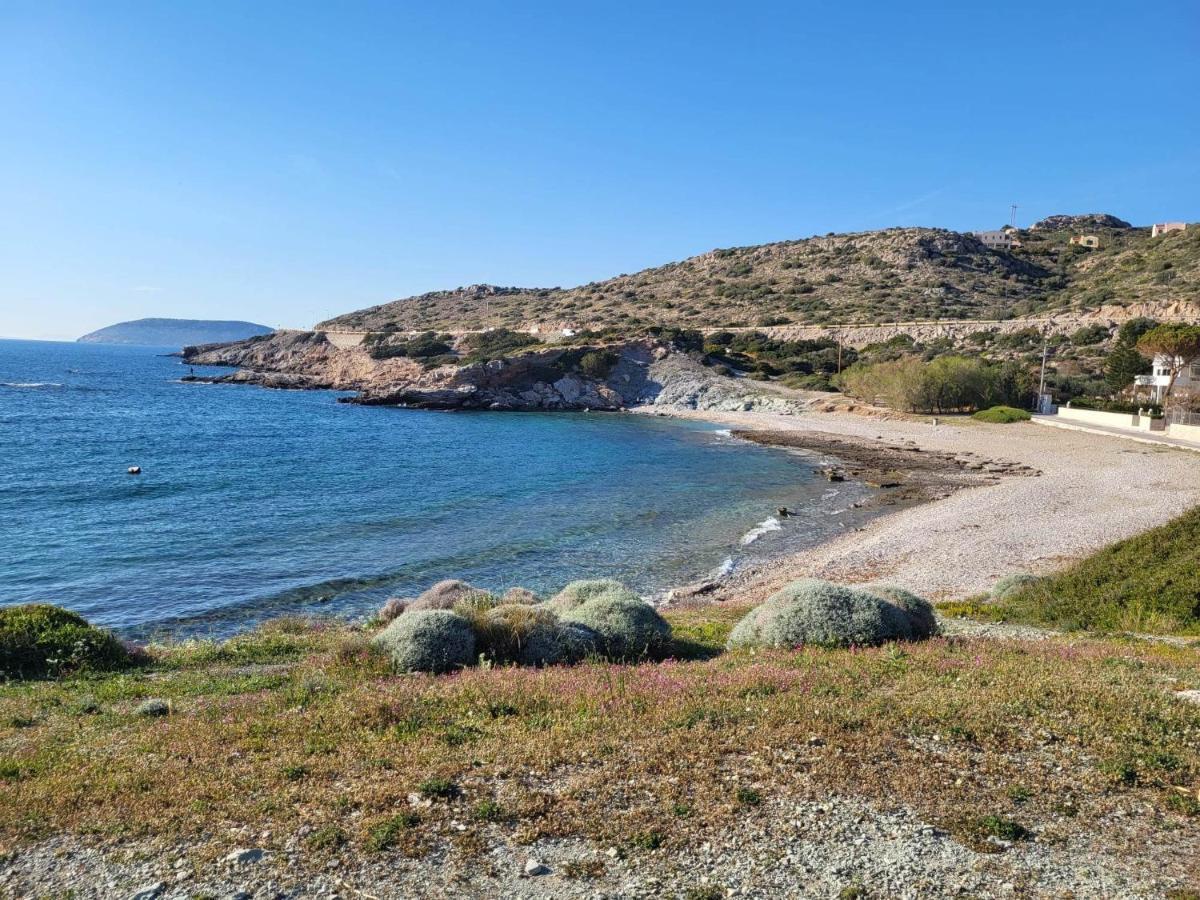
(283, 162)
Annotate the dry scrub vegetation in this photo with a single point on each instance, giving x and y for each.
(301, 728)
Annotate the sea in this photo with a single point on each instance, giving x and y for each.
(255, 503)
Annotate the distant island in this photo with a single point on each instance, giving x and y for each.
(174, 332)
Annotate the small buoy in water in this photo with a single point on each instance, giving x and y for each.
(134, 470)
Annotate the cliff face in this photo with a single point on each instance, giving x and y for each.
(635, 373)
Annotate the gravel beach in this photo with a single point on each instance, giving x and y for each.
(1091, 490)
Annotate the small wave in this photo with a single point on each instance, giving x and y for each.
(31, 384)
(766, 526)
(724, 568)
(724, 432)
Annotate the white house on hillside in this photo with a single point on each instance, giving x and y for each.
(1164, 227)
(995, 240)
(1189, 377)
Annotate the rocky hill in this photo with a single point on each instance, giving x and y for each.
(174, 332)
(897, 274)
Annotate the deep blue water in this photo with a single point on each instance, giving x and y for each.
(256, 502)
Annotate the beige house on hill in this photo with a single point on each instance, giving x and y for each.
(1164, 227)
(1091, 241)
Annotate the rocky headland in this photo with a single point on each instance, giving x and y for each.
(601, 377)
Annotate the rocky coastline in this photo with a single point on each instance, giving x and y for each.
(636, 373)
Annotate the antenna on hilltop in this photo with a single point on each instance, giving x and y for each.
(1012, 215)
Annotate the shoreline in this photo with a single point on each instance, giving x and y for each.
(986, 500)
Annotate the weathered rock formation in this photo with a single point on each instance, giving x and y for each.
(642, 372)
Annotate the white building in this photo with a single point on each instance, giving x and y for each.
(995, 240)
(1188, 379)
(1164, 227)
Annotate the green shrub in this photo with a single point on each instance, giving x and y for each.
(627, 627)
(921, 616)
(39, 640)
(428, 640)
(579, 592)
(817, 612)
(386, 834)
(1002, 415)
(496, 344)
(1010, 585)
(1146, 583)
(597, 364)
(473, 602)
(153, 708)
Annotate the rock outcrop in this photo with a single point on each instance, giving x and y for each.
(644, 372)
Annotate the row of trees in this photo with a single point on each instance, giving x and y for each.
(947, 384)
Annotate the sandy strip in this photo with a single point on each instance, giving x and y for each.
(1093, 490)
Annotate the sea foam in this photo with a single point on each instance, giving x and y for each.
(766, 526)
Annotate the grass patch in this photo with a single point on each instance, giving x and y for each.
(386, 835)
(1148, 583)
(629, 756)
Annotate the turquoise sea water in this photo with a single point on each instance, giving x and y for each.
(254, 503)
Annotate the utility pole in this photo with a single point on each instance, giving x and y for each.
(1012, 215)
(1042, 380)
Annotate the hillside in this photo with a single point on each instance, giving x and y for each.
(174, 332)
(897, 274)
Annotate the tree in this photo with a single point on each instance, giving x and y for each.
(1124, 363)
(1175, 345)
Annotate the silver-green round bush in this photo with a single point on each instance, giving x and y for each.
(442, 595)
(428, 640)
(627, 627)
(578, 593)
(578, 641)
(816, 612)
(920, 611)
(1011, 584)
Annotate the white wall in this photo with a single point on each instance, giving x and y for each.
(1096, 417)
(1184, 432)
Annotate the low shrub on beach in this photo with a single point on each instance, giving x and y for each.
(39, 640)
(428, 640)
(920, 611)
(442, 595)
(520, 634)
(627, 627)
(520, 595)
(1002, 415)
(391, 608)
(577, 593)
(816, 612)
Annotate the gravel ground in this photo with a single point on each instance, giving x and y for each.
(1093, 490)
(805, 848)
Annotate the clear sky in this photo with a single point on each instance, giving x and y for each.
(284, 162)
